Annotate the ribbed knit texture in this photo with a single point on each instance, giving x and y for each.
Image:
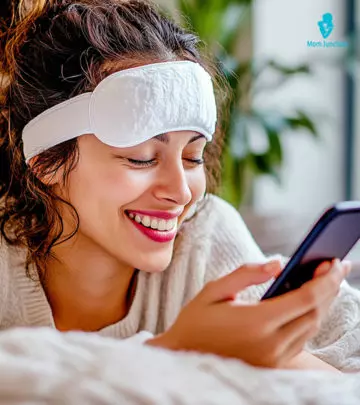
(212, 244)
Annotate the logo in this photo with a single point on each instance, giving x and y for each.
(326, 27)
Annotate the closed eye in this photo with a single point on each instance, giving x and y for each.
(150, 162)
(141, 162)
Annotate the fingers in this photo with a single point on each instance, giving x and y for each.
(310, 296)
(323, 268)
(294, 334)
(296, 346)
(227, 287)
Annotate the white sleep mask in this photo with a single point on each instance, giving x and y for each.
(130, 107)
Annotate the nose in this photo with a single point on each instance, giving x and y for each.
(173, 184)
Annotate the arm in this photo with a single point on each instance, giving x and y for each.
(338, 342)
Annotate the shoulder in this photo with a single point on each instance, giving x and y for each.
(228, 232)
(220, 234)
(219, 207)
(214, 213)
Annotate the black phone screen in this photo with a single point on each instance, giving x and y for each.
(326, 241)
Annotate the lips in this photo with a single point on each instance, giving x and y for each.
(153, 234)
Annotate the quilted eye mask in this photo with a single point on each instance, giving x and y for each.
(130, 107)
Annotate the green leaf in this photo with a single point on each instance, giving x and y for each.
(273, 126)
(275, 150)
(261, 164)
(287, 70)
(302, 120)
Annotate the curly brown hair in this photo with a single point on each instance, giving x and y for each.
(52, 51)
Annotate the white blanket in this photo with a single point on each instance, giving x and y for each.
(39, 366)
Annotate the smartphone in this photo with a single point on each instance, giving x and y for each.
(332, 236)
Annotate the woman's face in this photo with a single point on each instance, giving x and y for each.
(110, 183)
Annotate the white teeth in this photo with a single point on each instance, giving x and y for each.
(154, 223)
(146, 221)
(170, 224)
(162, 225)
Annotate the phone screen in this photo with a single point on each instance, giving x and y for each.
(329, 239)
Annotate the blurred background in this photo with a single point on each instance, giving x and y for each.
(293, 138)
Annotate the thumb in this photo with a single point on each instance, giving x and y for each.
(226, 287)
(323, 268)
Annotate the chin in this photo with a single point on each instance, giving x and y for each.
(154, 264)
(155, 268)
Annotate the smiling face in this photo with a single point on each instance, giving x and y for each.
(121, 201)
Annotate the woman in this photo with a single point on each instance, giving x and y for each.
(110, 224)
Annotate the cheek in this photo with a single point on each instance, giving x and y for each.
(113, 187)
(197, 184)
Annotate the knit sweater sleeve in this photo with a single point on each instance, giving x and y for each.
(232, 245)
(338, 341)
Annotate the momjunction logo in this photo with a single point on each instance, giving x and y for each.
(326, 27)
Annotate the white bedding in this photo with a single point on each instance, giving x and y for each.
(39, 366)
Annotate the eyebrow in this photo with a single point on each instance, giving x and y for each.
(164, 138)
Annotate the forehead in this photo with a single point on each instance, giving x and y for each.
(164, 138)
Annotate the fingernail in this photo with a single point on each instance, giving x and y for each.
(323, 268)
(336, 266)
(272, 266)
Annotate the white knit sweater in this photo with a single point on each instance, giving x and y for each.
(213, 244)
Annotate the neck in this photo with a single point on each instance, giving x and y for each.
(87, 288)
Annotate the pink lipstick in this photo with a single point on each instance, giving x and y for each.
(154, 234)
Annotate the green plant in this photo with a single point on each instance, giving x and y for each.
(219, 24)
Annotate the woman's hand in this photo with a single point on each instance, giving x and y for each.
(267, 334)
